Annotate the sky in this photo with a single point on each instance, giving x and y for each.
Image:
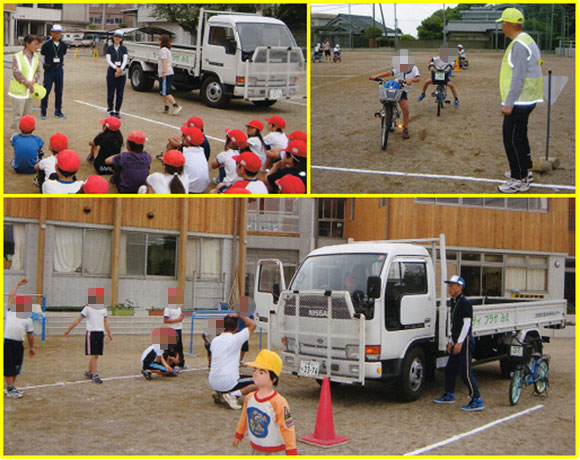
(409, 15)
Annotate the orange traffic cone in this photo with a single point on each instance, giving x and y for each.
(323, 435)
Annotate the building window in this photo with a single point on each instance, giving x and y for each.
(515, 204)
(526, 273)
(14, 244)
(82, 251)
(276, 215)
(331, 217)
(148, 254)
(352, 209)
(204, 259)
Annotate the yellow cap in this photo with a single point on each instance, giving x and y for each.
(39, 92)
(268, 360)
(512, 15)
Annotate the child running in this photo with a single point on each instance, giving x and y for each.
(266, 414)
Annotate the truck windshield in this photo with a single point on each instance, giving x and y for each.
(253, 35)
(338, 272)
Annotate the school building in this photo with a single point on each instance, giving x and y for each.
(136, 248)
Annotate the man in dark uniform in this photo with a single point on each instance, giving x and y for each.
(460, 348)
(53, 51)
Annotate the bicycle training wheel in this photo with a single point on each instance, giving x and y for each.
(542, 382)
(385, 123)
(516, 386)
(439, 103)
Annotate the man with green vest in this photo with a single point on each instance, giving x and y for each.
(25, 72)
(521, 87)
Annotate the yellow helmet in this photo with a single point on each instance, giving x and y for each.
(268, 360)
(512, 15)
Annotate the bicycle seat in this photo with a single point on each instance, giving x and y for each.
(536, 355)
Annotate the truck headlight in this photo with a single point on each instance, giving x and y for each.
(289, 343)
(252, 81)
(352, 351)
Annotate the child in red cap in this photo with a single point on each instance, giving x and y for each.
(196, 167)
(276, 141)
(67, 164)
(131, 168)
(236, 142)
(290, 184)
(27, 147)
(255, 141)
(294, 163)
(46, 167)
(174, 143)
(105, 144)
(94, 185)
(173, 178)
(248, 166)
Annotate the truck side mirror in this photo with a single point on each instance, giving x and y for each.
(276, 292)
(231, 46)
(374, 287)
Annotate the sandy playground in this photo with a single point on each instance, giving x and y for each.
(85, 103)
(464, 142)
(62, 413)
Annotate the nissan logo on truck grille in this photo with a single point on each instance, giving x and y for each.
(316, 306)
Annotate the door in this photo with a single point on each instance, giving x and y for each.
(219, 52)
(270, 281)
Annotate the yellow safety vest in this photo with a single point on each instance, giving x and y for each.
(533, 90)
(17, 89)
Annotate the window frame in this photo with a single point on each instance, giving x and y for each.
(332, 219)
(145, 275)
(461, 202)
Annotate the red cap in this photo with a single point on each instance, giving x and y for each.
(277, 121)
(193, 135)
(174, 158)
(290, 184)
(112, 123)
(96, 184)
(137, 137)
(58, 142)
(297, 148)
(298, 136)
(238, 138)
(194, 121)
(249, 161)
(233, 190)
(68, 160)
(27, 123)
(256, 124)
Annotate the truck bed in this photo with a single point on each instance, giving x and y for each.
(183, 55)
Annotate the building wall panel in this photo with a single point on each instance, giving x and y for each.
(369, 219)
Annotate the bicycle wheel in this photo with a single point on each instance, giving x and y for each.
(541, 384)
(516, 386)
(384, 132)
(439, 103)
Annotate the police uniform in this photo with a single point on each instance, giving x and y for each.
(53, 74)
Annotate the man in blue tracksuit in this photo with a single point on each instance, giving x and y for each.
(53, 51)
(460, 348)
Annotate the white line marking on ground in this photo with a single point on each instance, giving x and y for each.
(143, 118)
(292, 102)
(434, 176)
(334, 76)
(346, 78)
(476, 430)
(78, 382)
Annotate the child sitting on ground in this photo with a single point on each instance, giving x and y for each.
(27, 147)
(175, 143)
(94, 185)
(172, 180)
(255, 141)
(266, 414)
(236, 142)
(154, 360)
(248, 166)
(67, 164)
(294, 164)
(196, 166)
(131, 168)
(107, 143)
(46, 167)
(276, 141)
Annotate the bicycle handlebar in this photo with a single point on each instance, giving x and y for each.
(401, 83)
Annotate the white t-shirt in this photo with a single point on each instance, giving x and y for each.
(173, 313)
(253, 185)
(159, 182)
(95, 318)
(156, 347)
(48, 165)
(165, 53)
(58, 186)
(227, 159)
(461, 53)
(16, 328)
(440, 64)
(225, 359)
(276, 140)
(257, 147)
(413, 73)
(196, 169)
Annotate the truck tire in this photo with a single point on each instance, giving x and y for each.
(266, 103)
(140, 81)
(412, 378)
(213, 93)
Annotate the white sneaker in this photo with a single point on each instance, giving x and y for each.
(514, 186)
(177, 109)
(231, 401)
(14, 393)
(530, 178)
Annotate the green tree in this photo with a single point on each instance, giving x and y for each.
(373, 32)
(431, 28)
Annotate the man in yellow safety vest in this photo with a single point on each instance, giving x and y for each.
(521, 87)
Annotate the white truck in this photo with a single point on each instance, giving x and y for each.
(236, 55)
(369, 310)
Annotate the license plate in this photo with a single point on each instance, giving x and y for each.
(275, 94)
(517, 350)
(309, 368)
(439, 75)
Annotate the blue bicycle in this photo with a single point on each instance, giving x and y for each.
(534, 372)
(440, 78)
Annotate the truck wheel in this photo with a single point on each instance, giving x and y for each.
(266, 103)
(213, 94)
(140, 81)
(412, 379)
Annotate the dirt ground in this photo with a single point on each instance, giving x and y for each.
(128, 415)
(85, 102)
(463, 142)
